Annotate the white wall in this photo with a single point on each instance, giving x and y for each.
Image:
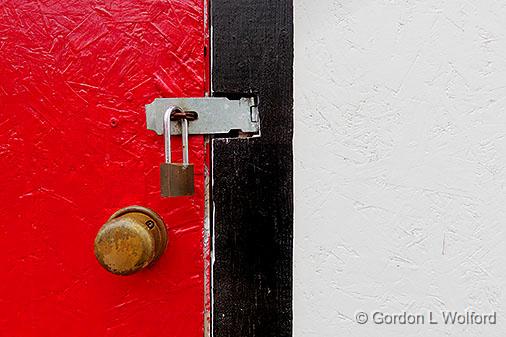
(400, 164)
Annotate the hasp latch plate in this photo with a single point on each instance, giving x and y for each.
(216, 115)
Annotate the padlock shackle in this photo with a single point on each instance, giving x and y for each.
(166, 132)
(184, 134)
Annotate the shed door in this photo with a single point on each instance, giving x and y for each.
(74, 148)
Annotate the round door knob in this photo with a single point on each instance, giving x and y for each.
(132, 239)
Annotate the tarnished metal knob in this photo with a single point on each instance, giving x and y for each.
(133, 238)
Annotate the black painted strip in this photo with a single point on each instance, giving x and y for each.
(252, 192)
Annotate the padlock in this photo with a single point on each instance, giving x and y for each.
(176, 178)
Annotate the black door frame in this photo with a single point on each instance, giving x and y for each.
(252, 54)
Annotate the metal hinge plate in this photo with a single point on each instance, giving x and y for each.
(216, 115)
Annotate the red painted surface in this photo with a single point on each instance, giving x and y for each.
(74, 79)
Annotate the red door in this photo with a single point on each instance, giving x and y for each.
(74, 148)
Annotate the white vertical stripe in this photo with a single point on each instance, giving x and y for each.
(400, 164)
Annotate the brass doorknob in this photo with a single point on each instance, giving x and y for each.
(132, 239)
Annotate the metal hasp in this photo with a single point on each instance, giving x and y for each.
(196, 116)
(216, 115)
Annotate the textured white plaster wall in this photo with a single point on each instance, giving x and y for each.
(400, 164)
